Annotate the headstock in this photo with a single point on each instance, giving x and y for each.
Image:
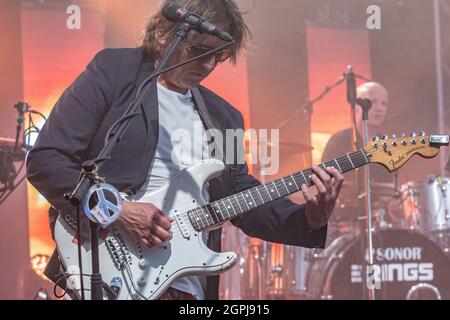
(393, 152)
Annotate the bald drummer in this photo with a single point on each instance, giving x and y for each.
(341, 143)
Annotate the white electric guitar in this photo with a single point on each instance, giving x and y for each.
(146, 273)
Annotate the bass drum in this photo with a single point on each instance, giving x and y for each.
(407, 265)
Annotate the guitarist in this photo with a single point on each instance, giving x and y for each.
(142, 161)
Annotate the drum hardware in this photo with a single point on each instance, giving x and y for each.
(423, 287)
(408, 265)
(277, 270)
(254, 271)
(426, 204)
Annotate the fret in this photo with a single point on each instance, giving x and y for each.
(257, 190)
(275, 186)
(258, 195)
(291, 186)
(199, 219)
(304, 178)
(250, 203)
(216, 212)
(232, 206)
(192, 220)
(211, 214)
(264, 193)
(204, 215)
(346, 164)
(267, 190)
(365, 157)
(360, 158)
(208, 219)
(338, 166)
(242, 211)
(280, 187)
(298, 188)
(284, 183)
(243, 198)
(351, 162)
(226, 208)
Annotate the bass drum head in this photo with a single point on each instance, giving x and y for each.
(407, 265)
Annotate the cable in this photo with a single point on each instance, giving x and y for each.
(80, 261)
(65, 276)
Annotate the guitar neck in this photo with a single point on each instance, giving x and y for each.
(220, 211)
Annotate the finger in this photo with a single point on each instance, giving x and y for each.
(338, 180)
(306, 195)
(157, 242)
(324, 176)
(158, 212)
(163, 221)
(147, 242)
(336, 174)
(162, 234)
(319, 185)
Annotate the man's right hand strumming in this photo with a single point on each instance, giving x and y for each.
(146, 223)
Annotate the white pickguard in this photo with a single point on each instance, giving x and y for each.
(150, 271)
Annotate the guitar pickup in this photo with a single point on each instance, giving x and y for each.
(182, 225)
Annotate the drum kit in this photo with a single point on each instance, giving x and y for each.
(411, 245)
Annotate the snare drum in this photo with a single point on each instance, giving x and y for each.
(427, 204)
(407, 265)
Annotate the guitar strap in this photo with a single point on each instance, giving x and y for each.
(200, 104)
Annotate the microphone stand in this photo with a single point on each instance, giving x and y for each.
(365, 105)
(21, 107)
(307, 108)
(91, 167)
(259, 288)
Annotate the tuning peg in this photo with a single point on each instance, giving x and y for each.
(413, 135)
(423, 134)
(385, 137)
(403, 135)
(394, 136)
(375, 139)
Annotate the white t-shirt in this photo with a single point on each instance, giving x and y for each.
(182, 143)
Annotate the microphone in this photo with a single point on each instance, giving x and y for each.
(175, 13)
(22, 108)
(351, 86)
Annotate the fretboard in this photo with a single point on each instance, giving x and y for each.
(220, 211)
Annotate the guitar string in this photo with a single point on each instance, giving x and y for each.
(177, 233)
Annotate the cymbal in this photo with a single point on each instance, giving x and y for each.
(378, 189)
(374, 185)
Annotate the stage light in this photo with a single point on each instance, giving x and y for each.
(39, 263)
